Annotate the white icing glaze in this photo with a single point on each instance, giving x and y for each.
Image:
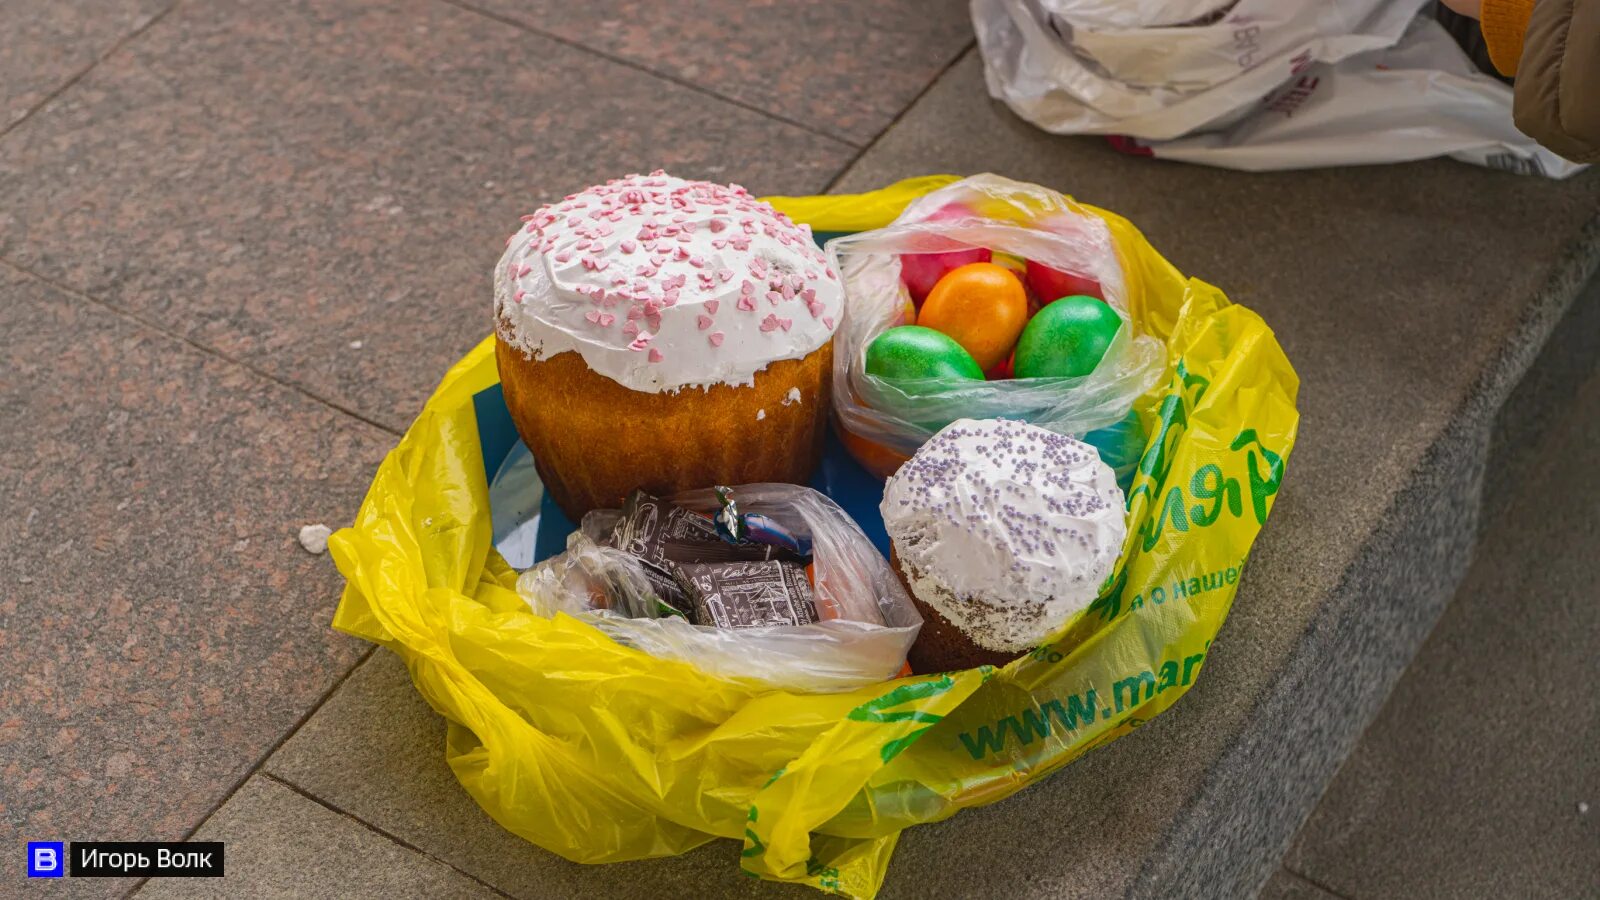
(1006, 529)
(660, 283)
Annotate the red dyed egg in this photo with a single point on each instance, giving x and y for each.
(1050, 285)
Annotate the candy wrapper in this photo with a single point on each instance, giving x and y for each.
(852, 620)
(884, 422)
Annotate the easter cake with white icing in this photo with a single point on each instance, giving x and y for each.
(664, 334)
(1001, 531)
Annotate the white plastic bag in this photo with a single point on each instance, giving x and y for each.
(1254, 84)
(1005, 216)
(868, 620)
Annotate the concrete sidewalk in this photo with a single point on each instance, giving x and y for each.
(240, 242)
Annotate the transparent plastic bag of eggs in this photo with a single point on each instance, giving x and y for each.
(866, 621)
(883, 421)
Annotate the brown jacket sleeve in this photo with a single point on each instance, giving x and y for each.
(1558, 78)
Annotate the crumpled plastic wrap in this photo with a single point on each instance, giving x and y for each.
(1254, 84)
(1009, 217)
(868, 622)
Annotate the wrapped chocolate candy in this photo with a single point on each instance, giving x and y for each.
(737, 527)
(748, 594)
(660, 533)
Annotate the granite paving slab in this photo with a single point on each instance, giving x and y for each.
(376, 751)
(842, 67)
(45, 45)
(1410, 299)
(1481, 776)
(322, 188)
(279, 844)
(161, 628)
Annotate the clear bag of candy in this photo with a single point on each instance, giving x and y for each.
(1045, 237)
(864, 620)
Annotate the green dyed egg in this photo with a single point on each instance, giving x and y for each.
(1066, 339)
(911, 351)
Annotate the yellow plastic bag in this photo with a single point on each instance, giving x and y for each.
(601, 753)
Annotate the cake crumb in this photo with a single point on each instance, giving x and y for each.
(792, 397)
(760, 414)
(314, 538)
(355, 345)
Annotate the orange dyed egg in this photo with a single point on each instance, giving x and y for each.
(982, 306)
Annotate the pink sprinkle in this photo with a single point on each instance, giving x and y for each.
(747, 288)
(773, 297)
(809, 295)
(770, 323)
(629, 246)
(718, 225)
(685, 237)
(828, 321)
(518, 297)
(655, 355)
(642, 341)
(523, 272)
(788, 291)
(697, 261)
(718, 244)
(711, 305)
(785, 323)
(529, 217)
(635, 312)
(670, 298)
(705, 322)
(606, 319)
(747, 302)
(631, 328)
(816, 308)
(592, 316)
(725, 275)
(563, 256)
(829, 273)
(715, 338)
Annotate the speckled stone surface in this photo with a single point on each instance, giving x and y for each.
(1410, 298)
(376, 751)
(44, 45)
(160, 627)
(280, 844)
(843, 67)
(281, 180)
(1469, 783)
(1286, 885)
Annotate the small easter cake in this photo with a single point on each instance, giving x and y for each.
(1001, 531)
(664, 334)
